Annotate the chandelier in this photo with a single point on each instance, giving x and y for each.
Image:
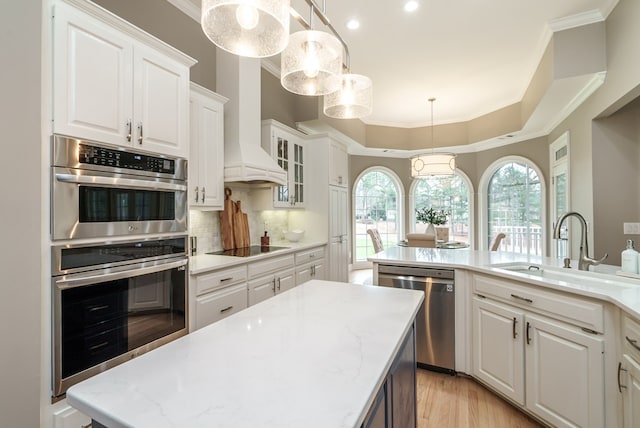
(433, 163)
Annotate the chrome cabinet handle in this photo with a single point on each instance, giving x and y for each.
(528, 337)
(524, 299)
(515, 334)
(226, 279)
(273, 287)
(141, 136)
(313, 270)
(203, 193)
(620, 369)
(632, 342)
(196, 194)
(129, 130)
(278, 284)
(228, 308)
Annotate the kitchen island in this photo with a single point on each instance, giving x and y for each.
(323, 354)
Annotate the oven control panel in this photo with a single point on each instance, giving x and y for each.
(114, 158)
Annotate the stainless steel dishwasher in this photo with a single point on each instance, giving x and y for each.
(435, 323)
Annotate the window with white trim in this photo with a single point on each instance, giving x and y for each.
(377, 204)
(444, 192)
(515, 206)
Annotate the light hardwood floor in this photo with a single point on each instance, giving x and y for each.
(458, 402)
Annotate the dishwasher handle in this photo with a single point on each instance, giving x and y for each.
(420, 272)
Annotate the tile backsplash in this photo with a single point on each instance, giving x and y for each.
(205, 225)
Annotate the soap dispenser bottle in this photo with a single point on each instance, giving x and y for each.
(264, 240)
(630, 258)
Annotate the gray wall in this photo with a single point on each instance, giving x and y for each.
(23, 197)
(594, 145)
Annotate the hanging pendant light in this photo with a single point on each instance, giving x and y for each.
(352, 100)
(433, 163)
(311, 63)
(252, 28)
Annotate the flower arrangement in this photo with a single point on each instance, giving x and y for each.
(432, 216)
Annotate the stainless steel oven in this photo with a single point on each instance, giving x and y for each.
(101, 192)
(113, 301)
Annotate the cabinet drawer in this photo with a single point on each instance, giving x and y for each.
(309, 255)
(220, 304)
(270, 265)
(561, 306)
(212, 281)
(631, 337)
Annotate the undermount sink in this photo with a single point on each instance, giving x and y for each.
(572, 276)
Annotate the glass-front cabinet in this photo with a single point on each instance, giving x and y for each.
(286, 147)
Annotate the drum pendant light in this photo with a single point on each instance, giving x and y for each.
(352, 100)
(433, 163)
(311, 63)
(251, 28)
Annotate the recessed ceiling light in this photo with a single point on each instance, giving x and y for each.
(410, 5)
(353, 24)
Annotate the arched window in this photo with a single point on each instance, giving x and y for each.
(377, 204)
(452, 193)
(514, 205)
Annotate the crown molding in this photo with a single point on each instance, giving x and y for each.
(188, 8)
(577, 20)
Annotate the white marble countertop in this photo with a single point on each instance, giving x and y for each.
(313, 356)
(600, 283)
(206, 262)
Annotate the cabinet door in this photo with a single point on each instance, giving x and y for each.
(289, 152)
(339, 239)
(339, 166)
(92, 78)
(261, 289)
(318, 270)
(285, 280)
(220, 304)
(303, 273)
(161, 102)
(206, 154)
(565, 373)
(402, 383)
(631, 397)
(377, 416)
(498, 355)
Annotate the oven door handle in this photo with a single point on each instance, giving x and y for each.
(118, 181)
(80, 281)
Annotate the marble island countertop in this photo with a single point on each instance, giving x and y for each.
(314, 356)
(205, 262)
(600, 283)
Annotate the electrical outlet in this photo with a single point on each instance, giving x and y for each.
(631, 228)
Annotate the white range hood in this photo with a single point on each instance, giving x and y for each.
(238, 79)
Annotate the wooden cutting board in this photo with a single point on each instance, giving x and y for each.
(226, 221)
(240, 227)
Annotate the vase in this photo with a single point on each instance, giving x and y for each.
(431, 229)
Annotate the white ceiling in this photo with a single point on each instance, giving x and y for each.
(473, 56)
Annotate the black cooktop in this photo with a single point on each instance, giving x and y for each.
(253, 250)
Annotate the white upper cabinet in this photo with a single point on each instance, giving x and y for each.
(114, 84)
(338, 165)
(206, 154)
(286, 147)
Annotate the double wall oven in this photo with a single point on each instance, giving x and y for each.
(119, 256)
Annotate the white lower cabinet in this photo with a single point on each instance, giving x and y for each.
(217, 295)
(553, 369)
(268, 286)
(629, 372)
(70, 418)
(215, 306)
(310, 264)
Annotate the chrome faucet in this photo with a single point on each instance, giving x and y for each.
(583, 261)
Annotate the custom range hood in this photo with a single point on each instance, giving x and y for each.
(238, 79)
